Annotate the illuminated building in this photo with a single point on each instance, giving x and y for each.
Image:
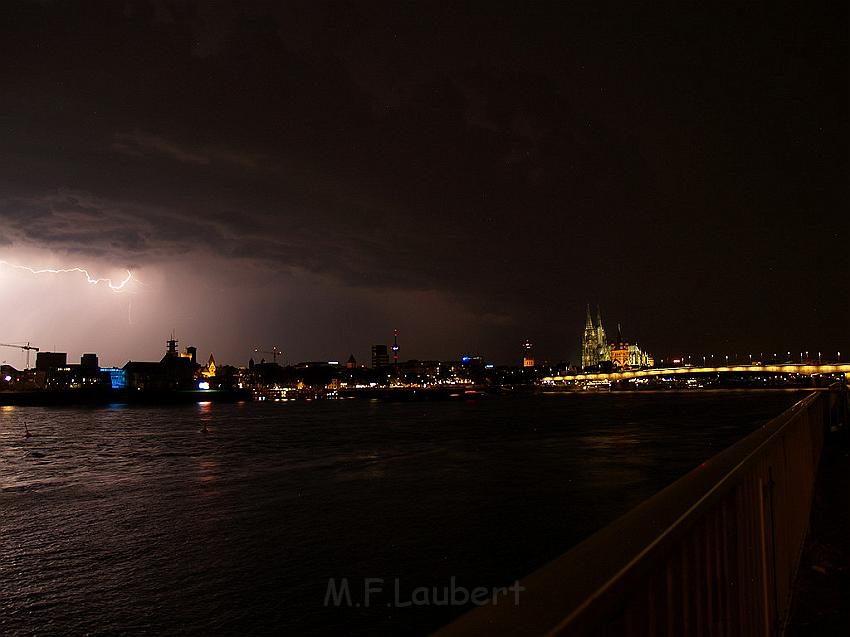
(625, 355)
(594, 346)
(209, 370)
(117, 377)
(589, 343)
(621, 354)
(351, 363)
(604, 349)
(12, 379)
(527, 354)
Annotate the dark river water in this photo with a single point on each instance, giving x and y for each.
(130, 520)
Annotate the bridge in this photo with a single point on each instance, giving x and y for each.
(803, 369)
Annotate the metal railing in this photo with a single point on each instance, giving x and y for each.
(715, 553)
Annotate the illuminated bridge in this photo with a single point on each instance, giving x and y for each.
(789, 368)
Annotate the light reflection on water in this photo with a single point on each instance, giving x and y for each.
(129, 519)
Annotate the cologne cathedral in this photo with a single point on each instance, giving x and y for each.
(596, 349)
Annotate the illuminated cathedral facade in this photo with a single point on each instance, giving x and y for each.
(596, 349)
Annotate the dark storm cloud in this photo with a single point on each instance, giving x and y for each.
(520, 159)
(139, 144)
(78, 223)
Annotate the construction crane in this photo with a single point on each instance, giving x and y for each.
(275, 352)
(28, 348)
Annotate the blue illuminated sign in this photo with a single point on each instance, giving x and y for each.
(117, 377)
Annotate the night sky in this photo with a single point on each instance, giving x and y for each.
(313, 175)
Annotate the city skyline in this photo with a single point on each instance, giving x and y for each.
(470, 192)
(618, 350)
(439, 318)
(121, 290)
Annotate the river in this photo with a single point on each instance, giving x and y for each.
(133, 520)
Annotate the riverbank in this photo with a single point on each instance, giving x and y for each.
(119, 396)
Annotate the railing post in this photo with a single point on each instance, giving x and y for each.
(769, 486)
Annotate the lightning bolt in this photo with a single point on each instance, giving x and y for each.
(115, 286)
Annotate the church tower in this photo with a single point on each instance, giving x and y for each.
(602, 339)
(590, 343)
(210, 370)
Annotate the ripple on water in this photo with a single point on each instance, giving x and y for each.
(129, 520)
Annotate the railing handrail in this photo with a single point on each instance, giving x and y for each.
(557, 593)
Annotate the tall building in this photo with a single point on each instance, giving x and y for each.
(602, 339)
(395, 348)
(527, 354)
(171, 347)
(588, 340)
(380, 356)
(596, 349)
(594, 344)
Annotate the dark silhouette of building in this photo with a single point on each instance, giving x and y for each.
(171, 349)
(174, 371)
(89, 361)
(46, 361)
(380, 356)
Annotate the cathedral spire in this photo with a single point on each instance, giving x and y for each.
(601, 339)
(589, 343)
